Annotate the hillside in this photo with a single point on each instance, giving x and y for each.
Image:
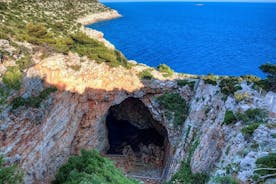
(64, 88)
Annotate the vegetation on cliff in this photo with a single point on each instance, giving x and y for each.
(9, 174)
(176, 108)
(90, 167)
(52, 27)
(266, 167)
(270, 82)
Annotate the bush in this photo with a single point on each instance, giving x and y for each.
(270, 70)
(63, 45)
(24, 62)
(229, 118)
(33, 101)
(253, 115)
(210, 79)
(165, 69)
(90, 167)
(241, 97)
(191, 84)
(175, 107)
(93, 49)
(249, 129)
(145, 75)
(229, 86)
(12, 78)
(268, 163)
(184, 175)
(250, 78)
(10, 174)
(36, 30)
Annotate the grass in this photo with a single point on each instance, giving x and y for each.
(175, 106)
(33, 101)
(165, 70)
(145, 74)
(229, 118)
(90, 167)
(12, 78)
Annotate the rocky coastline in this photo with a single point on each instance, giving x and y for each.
(97, 17)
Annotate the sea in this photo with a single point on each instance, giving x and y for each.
(207, 38)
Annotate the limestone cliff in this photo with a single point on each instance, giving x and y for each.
(40, 138)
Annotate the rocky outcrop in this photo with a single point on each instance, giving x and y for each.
(96, 17)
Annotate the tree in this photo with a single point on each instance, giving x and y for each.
(270, 70)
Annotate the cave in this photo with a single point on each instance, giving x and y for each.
(137, 143)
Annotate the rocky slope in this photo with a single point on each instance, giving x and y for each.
(41, 137)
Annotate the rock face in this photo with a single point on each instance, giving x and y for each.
(73, 118)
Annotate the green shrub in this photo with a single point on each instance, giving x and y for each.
(229, 86)
(184, 175)
(268, 163)
(210, 79)
(63, 45)
(93, 49)
(145, 74)
(10, 174)
(33, 101)
(249, 129)
(229, 118)
(175, 107)
(12, 78)
(36, 30)
(270, 82)
(90, 167)
(250, 78)
(165, 69)
(225, 180)
(24, 62)
(4, 93)
(253, 115)
(191, 84)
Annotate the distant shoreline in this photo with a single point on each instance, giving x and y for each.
(98, 17)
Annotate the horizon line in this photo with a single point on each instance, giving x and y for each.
(188, 1)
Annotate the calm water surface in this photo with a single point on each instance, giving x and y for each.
(219, 38)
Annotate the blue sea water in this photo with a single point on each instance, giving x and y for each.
(219, 38)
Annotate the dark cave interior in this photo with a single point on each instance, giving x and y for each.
(137, 143)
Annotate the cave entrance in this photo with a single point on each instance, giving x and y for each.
(137, 143)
